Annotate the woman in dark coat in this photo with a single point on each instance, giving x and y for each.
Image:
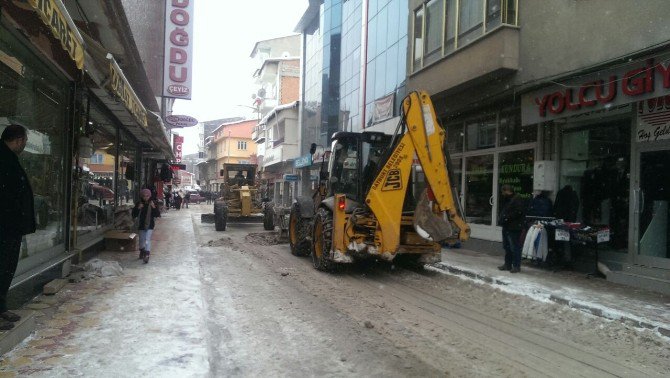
(147, 211)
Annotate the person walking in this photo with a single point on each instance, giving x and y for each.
(511, 219)
(147, 211)
(17, 213)
(187, 199)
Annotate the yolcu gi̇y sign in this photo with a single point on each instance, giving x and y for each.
(177, 67)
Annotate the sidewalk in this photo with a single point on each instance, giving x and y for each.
(145, 322)
(596, 296)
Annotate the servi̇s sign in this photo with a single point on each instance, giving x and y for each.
(178, 63)
(636, 81)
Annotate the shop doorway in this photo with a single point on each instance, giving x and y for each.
(651, 207)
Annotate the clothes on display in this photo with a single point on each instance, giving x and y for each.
(566, 205)
(536, 245)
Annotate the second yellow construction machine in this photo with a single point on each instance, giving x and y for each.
(382, 196)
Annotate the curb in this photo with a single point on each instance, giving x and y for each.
(586, 307)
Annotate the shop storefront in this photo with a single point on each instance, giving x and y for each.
(84, 151)
(609, 133)
(490, 148)
(37, 91)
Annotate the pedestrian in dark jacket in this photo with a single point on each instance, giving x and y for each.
(17, 213)
(511, 219)
(147, 211)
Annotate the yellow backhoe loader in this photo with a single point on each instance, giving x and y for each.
(373, 202)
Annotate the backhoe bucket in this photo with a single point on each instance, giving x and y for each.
(429, 225)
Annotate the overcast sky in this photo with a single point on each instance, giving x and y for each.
(224, 35)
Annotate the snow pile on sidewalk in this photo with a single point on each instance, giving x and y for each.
(96, 268)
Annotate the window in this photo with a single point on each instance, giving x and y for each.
(241, 145)
(463, 22)
(480, 133)
(511, 131)
(96, 159)
(470, 17)
(433, 28)
(418, 37)
(450, 26)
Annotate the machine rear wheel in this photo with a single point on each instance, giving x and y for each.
(322, 239)
(220, 216)
(298, 230)
(269, 218)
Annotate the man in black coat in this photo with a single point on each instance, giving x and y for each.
(511, 219)
(17, 213)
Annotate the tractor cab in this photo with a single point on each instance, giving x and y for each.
(354, 162)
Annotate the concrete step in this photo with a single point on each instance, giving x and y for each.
(22, 329)
(624, 277)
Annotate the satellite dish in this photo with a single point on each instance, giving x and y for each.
(261, 93)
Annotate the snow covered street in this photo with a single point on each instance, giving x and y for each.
(233, 304)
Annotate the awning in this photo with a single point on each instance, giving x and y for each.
(55, 16)
(99, 72)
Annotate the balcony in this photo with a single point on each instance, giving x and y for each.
(258, 134)
(493, 55)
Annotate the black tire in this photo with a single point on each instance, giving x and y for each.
(220, 216)
(269, 218)
(322, 240)
(298, 230)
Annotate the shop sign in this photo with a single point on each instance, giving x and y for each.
(177, 142)
(120, 86)
(321, 156)
(180, 121)
(637, 81)
(54, 14)
(303, 161)
(653, 119)
(291, 177)
(272, 156)
(178, 64)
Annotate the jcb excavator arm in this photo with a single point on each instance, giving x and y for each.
(438, 215)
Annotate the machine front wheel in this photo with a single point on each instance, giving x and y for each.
(322, 240)
(298, 230)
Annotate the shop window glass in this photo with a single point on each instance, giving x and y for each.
(455, 137)
(512, 132)
(96, 192)
(516, 169)
(479, 189)
(595, 163)
(128, 178)
(480, 133)
(31, 96)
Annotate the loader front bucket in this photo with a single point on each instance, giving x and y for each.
(429, 225)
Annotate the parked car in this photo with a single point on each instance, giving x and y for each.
(196, 197)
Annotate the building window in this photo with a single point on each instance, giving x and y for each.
(241, 145)
(96, 159)
(443, 26)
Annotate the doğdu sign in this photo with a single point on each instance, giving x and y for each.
(179, 121)
(178, 49)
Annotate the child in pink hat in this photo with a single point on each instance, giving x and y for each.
(146, 210)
